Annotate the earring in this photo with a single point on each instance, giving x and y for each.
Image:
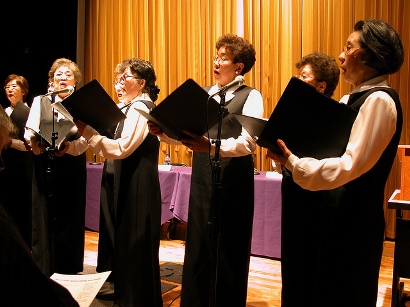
(236, 72)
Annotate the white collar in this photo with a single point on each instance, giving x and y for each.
(377, 81)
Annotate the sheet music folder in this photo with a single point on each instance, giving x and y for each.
(92, 105)
(19, 117)
(310, 123)
(187, 108)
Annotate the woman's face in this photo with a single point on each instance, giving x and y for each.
(127, 86)
(63, 77)
(353, 70)
(14, 92)
(306, 74)
(225, 70)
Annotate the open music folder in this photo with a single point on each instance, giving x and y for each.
(188, 107)
(92, 105)
(310, 123)
(19, 117)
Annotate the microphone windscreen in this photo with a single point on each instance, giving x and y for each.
(240, 78)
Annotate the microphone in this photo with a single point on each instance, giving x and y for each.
(69, 89)
(239, 80)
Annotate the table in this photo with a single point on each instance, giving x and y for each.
(169, 190)
(401, 265)
(175, 186)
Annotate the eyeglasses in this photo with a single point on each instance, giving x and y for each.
(66, 75)
(305, 77)
(219, 60)
(121, 80)
(348, 48)
(11, 87)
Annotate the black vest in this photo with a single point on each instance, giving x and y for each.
(366, 192)
(230, 126)
(380, 172)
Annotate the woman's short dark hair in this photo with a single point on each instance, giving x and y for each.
(324, 68)
(242, 50)
(144, 70)
(381, 45)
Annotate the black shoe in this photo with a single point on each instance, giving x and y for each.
(106, 292)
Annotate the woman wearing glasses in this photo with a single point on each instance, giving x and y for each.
(130, 214)
(235, 57)
(352, 229)
(59, 180)
(18, 159)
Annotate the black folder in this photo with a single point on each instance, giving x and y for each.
(92, 105)
(310, 123)
(187, 107)
(19, 117)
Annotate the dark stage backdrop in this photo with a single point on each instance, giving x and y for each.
(33, 35)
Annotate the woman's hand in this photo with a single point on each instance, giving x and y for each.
(80, 126)
(280, 158)
(154, 129)
(196, 142)
(37, 146)
(63, 149)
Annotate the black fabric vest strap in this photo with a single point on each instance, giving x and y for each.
(118, 132)
(241, 93)
(356, 98)
(121, 124)
(235, 105)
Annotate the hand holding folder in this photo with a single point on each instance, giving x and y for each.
(310, 123)
(62, 130)
(90, 104)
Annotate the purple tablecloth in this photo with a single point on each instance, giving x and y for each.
(175, 200)
(92, 209)
(266, 230)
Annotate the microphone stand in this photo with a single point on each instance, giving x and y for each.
(213, 221)
(50, 175)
